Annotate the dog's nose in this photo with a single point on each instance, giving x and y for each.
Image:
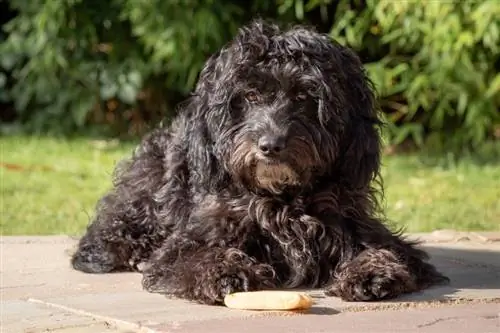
(271, 145)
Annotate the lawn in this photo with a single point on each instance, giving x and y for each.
(50, 186)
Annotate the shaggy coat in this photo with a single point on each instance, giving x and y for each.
(268, 177)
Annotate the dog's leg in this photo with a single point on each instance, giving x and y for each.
(205, 275)
(129, 221)
(385, 268)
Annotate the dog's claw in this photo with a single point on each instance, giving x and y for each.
(230, 284)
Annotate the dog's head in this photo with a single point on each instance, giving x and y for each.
(285, 109)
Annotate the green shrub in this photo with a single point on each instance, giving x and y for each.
(123, 64)
(78, 63)
(435, 65)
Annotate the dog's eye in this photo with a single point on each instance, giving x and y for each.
(251, 96)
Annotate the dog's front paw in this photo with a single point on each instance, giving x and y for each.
(364, 289)
(374, 275)
(227, 285)
(93, 259)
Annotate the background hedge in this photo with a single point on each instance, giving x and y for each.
(116, 67)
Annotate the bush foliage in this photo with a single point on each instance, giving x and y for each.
(118, 65)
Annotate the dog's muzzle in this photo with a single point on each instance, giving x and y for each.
(272, 145)
(274, 175)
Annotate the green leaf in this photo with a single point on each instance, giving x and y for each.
(127, 93)
(299, 9)
(3, 80)
(493, 87)
(135, 79)
(108, 91)
(81, 109)
(8, 60)
(462, 103)
(22, 100)
(402, 134)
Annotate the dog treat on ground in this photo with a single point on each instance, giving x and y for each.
(268, 300)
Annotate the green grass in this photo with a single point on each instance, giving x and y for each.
(421, 197)
(57, 188)
(50, 186)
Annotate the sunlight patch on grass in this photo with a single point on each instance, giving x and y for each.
(425, 198)
(50, 186)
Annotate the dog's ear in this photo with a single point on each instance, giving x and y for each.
(361, 142)
(349, 108)
(206, 112)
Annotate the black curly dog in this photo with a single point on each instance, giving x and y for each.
(267, 178)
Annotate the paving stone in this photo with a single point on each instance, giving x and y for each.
(487, 236)
(39, 267)
(40, 291)
(27, 317)
(141, 307)
(484, 318)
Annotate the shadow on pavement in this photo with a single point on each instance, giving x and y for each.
(474, 277)
(474, 274)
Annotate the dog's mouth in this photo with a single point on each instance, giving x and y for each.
(275, 175)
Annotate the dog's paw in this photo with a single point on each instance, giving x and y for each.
(373, 275)
(364, 289)
(90, 259)
(225, 285)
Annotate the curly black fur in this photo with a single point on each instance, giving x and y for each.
(267, 178)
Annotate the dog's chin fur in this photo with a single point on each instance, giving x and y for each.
(188, 206)
(275, 176)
